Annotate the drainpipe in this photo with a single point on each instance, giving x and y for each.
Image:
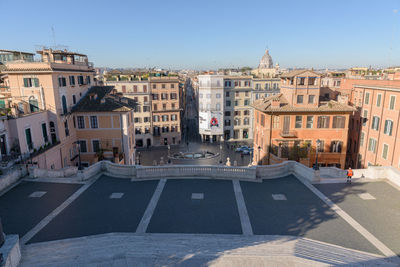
(122, 138)
(42, 98)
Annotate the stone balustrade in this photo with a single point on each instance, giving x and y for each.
(35, 172)
(332, 172)
(146, 172)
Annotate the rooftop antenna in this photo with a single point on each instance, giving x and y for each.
(54, 36)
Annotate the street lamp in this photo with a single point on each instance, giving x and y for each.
(78, 144)
(259, 158)
(316, 156)
(220, 153)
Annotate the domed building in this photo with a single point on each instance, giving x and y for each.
(266, 61)
(266, 67)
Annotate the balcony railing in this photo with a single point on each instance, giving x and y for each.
(287, 134)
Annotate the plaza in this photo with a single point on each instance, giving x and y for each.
(212, 216)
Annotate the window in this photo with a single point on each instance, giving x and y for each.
(73, 99)
(72, 80)
(218, 95)
(87, 79)
(208, 95)
(227, 122)
(323, 122)
(227, 113)
(336, 146)
(321, 146)
(173, 117)
(155, 96)
(44, 132)
(164, 117)
(392, 102)
(310, 121)
(144, 88)
(299, 122)
(164, 96)
(64, 104)
(236, 102)
(311, 99)
(154, 86)
(375, 123)
(311, 80)
(156, 118)
(227, 94)
(275, 122)
(218, 106)
(62, 82)
(385, 151)
(93, 122)
(95, 145)
(137, 120)
(372, 145)
(262, 119)
(81, 122)
(66, 128)
(246, 102)
(163, 86)
(362, 136)
(31, 82)
(378, 100)
(366, 101)
(172, 86)
(164, 106)
(365, 115)
(173, 96)
(237, 112)
(80, 80)
(83, 146)
(155, 107)
(172, 105)
(338, 122)
(246, 112)
(237, 94)
(388, 127)
(228, 103)
(299, 99)
(301, 80)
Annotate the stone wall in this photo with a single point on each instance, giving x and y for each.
(12, 177)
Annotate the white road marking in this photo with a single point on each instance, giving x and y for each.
(55, 212)
(279, 197)
(144, 222)
(116, 195)
(366, 196)
(244, 216)
(38, 194)
(364, 232)
(197, 195)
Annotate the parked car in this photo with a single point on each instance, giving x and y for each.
(240, 149)
(247, 151)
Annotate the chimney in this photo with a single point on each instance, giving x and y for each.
(275, 103)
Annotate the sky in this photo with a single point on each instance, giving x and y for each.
(205, 34)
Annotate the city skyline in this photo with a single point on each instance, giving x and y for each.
(179, 35)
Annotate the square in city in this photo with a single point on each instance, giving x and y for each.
(366, 196)
(197, 195)
(116, 195)
(279, 197)
(37, 194)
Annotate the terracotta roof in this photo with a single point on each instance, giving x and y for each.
(102, 99)
(294, 73)
(329, 106)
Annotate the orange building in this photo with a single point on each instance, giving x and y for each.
(375, 126)
(291, 124)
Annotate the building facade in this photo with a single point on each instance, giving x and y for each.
(166, 110)
(295, 124)
(139, 90)
(211, 107)
(376, 131)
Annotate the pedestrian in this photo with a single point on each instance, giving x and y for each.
(349, 175)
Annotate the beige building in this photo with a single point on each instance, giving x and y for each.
(139, 90)
(237, 110)
(166, 110)
(105, 127)
(55, 83)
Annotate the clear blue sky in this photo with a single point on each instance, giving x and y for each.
(210, 34)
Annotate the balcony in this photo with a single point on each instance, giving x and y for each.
(288, 134)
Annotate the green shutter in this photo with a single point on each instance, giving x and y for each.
(26, 82)
(36, 82)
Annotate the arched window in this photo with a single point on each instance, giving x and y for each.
(33, 104)
(64, 104)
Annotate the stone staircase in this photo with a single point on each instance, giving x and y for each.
(129, 249)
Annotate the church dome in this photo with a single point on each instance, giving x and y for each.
(266, 61)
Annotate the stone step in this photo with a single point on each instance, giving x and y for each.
(129, 249)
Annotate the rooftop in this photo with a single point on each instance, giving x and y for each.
(295, 73)
(103, 99)
(265, 105)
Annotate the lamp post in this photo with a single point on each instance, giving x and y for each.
(259, 158)
(139, 158)
(220, 153)
(78, 144)
(316, 155)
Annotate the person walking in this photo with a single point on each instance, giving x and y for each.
(349, 175)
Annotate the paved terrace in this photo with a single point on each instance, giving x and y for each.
(274, 219)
